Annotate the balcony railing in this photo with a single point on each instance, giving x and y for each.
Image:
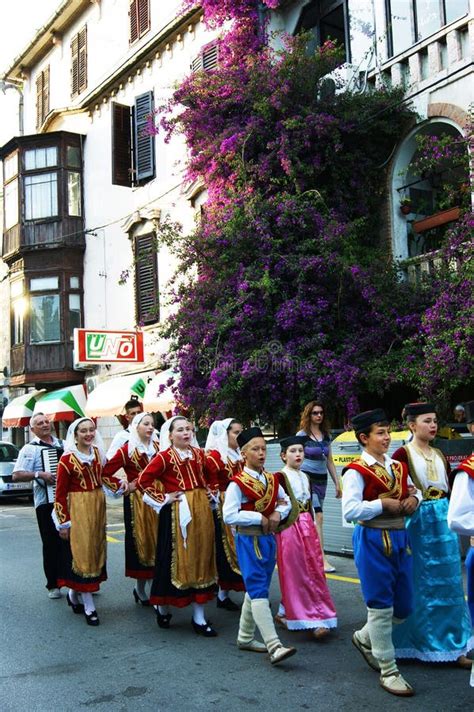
(429, 60)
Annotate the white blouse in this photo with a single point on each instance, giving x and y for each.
(299, 484)
(421, 469)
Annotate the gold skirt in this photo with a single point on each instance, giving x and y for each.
(194, 566)
(88, 537)
(144, 528)
(228, 539)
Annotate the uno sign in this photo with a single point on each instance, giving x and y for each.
(108, 346)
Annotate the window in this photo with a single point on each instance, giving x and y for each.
(133, 148)
(73, 193)
(10, 191)
(42, 97)
(409, 21)
(146, 280)
(73, 156)
(41, 196)
(139, 14)
(44, 319)
(75, 320)
(207, 59)
(37, 158)
(79, 62)
(18, 311)
(325, 20)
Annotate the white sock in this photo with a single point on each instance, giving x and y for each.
(364, 635)
(198, 614)
(88, 602)
(222, 595)
(141, 589)
(163, 610)
(281, 610)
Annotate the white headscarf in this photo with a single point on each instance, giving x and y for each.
(135, 442)
(165, 442)
(218, 439)
(71, 447)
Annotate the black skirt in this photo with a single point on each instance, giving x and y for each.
(163, 592)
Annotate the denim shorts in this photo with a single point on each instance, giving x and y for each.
(318, 494)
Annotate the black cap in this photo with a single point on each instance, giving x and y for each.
(415, 409)
(293, 440)
(364, 420)
(469, 411)
(247, 435)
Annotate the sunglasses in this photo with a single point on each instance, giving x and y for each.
(317, 412)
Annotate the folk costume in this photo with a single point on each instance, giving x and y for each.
(222, 464)
(250, 495)
(439, 627)
(306, 602)
(461, 518)
(141, 521)
(80, 506)
(185, 567)
(381, 551)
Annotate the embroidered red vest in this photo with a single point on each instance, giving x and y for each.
(467, 465)
(378, 482)
(261, 499)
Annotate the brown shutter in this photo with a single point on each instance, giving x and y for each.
(121, 145)
(45, 102)
(75, 66)
(39, 100)
(146, 280)
(133, 14)
(82, 61)
(143, 16)
(207, 59)
(144, 142)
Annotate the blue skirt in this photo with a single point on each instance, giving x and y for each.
(439, 629)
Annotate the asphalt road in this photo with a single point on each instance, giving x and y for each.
(52, 660)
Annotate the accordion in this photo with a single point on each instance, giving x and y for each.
(50, 458)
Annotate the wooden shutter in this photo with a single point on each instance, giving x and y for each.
(42, 97)
(75, 66)
(121, 145)
(45, 92)
(207, 59)
(144, 144)
(133, 15)
(79, 62)
(82, 60)
(146, 279)
(39, 100)
(143, 16)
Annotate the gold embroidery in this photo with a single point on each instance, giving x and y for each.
(387, 542)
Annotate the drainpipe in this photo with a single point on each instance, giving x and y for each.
(4, 85)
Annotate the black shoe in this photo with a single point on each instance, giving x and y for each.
(205, 629)
(137, 598)
(92, 618)
(76, 607)
(228, 604)
(163, 621)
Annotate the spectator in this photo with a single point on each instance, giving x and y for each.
(132, 408)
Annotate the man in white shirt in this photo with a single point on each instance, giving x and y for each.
(255, 504)
(377, 494)
(29, 467)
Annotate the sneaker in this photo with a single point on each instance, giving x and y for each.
(54, 593)
(255, 646)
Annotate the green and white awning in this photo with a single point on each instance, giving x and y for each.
(64, 404)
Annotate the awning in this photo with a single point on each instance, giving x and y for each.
(18, 412)
(158, 394)
(64, 404)
(108, 398)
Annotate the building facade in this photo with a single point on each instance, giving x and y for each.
(86, 186)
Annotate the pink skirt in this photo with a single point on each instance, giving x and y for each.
(304, 591)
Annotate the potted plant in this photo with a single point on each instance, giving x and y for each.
(406, 206)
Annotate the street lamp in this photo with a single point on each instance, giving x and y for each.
(6, 84)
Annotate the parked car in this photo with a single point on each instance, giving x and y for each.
(8, 488)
